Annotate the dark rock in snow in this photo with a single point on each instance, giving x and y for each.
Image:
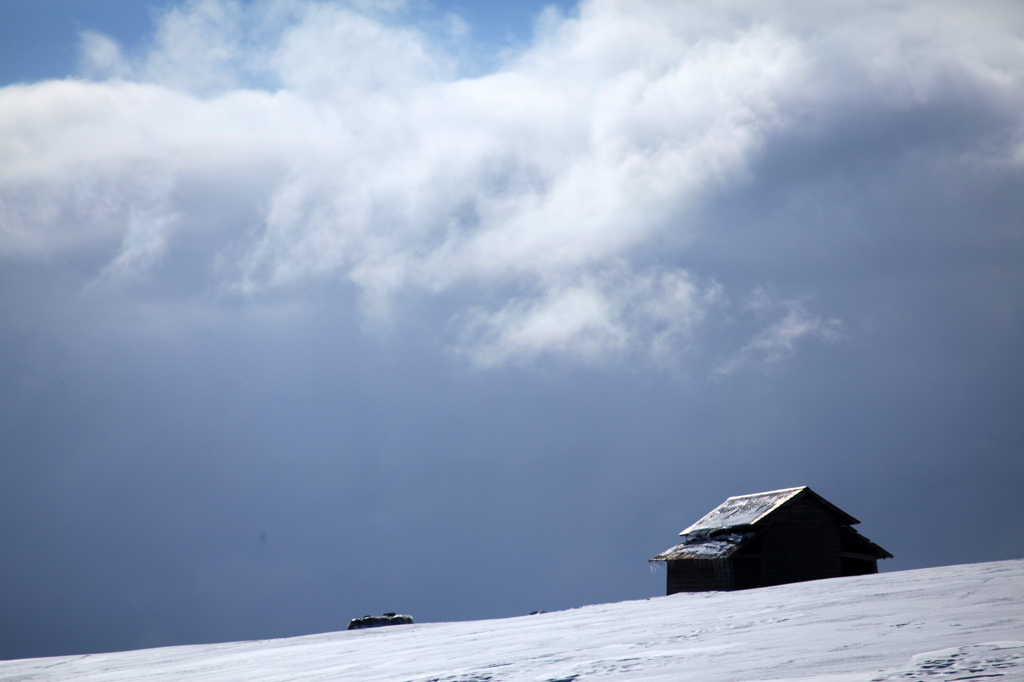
(379, 621)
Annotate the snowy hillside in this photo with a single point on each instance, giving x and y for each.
(951, 623)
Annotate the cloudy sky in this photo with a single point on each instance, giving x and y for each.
(314, 309)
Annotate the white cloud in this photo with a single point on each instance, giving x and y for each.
(309, 140)
(778, 341)
(609, 314)
(102, 57)
(576, 320)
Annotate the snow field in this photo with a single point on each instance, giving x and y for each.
(951, 623)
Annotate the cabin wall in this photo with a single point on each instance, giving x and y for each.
(747, 565)
(858, 566)
(801, 542)
(699, 575)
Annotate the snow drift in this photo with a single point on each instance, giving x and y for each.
(951, 623)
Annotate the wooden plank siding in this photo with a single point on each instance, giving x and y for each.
(800, 543)
(748, 565)
(700, 575)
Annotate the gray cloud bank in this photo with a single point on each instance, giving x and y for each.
(471, 344)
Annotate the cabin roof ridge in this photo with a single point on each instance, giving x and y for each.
(741, 511)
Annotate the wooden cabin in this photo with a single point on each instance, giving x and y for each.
(772, 538)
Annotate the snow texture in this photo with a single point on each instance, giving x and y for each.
(742, 510)
(951, 623)
(699, 547)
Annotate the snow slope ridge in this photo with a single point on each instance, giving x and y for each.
(951, 623)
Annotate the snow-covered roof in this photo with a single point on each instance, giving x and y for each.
(747, 510)
(697, 547)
